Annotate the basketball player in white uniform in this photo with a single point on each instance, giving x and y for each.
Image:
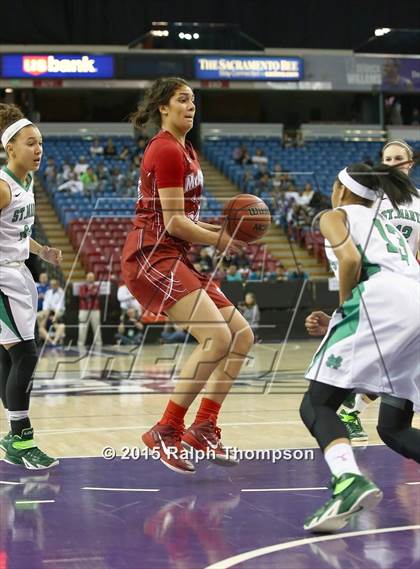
(406, 218)
(371, 341)
(18, 295)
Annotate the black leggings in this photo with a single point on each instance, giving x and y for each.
(318, 412)
(394, 427)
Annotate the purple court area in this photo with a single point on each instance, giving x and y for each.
(127, 514)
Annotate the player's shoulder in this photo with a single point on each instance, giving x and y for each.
(5, 191)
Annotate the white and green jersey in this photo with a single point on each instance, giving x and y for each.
(16, 219)
(381, 244)
(406, 218)
(371, 345)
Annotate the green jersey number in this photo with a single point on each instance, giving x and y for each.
(406, 230)
(391, 247)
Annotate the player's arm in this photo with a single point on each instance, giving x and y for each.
(335, 229)
(5, 195)
(48, 254)
(209, 226)
(179, 225)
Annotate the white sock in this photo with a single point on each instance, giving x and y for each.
(362, 401)
(18, 415)
(340, 459)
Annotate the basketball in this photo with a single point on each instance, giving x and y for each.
(247, 217)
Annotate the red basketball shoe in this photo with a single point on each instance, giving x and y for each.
(166, 440)
(206, 437)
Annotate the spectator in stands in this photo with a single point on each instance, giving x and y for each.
(264, 185)
(89, 180)
(247, 177)
(256, 274)
(251, 311)
(42, 286)
(173, 334)
(299, 139)
(288, 141)
(67, 168)
(246, 159)
(415, 117)
(259, 158)
(298, 273)
(205, 261)
(51, 329)
(125, 153)
(127, 300)
(239, 153)
(96, 148)
(240, 260)
(130, 329)
(109, 149)
(305, 197)
(233, 275)
(73, 185)
(263, 170)
(89, 311)
(280, 274)
(50, 167)
(117, 179)
(277, 176)
(54, 300)
(81, 166)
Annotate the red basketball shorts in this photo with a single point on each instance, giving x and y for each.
(159, 277)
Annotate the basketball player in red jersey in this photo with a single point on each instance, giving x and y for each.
(159, 275)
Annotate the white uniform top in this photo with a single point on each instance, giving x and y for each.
(406, 218)
(382, 246)
(16, 219)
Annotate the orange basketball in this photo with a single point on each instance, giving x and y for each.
(247, 217)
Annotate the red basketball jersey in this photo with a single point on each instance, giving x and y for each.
(166, 164)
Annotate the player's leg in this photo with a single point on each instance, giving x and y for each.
(95, 320)
(350, 412)
(83, 327)
(5, 367)
(204, 434)
(351, 491)
(395, 427)
(198, 313)
(17, 337)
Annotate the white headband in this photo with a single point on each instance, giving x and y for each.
(12, 130)
(355, 187)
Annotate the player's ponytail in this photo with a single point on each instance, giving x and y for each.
(8, 115)
(158, 94)
(384, 179)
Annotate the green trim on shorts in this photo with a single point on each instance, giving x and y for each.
(6, 314)
(347, 327)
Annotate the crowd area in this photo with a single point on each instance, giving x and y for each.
(293, 204)
(90, 177)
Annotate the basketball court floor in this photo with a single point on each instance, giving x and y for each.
(109, 506)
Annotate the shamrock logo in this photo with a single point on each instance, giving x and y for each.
(334, 362)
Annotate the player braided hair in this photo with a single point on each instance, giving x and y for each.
(8, 115)
(382, 178)
(158, 94)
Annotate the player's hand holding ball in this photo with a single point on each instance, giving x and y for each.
(227, 244)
